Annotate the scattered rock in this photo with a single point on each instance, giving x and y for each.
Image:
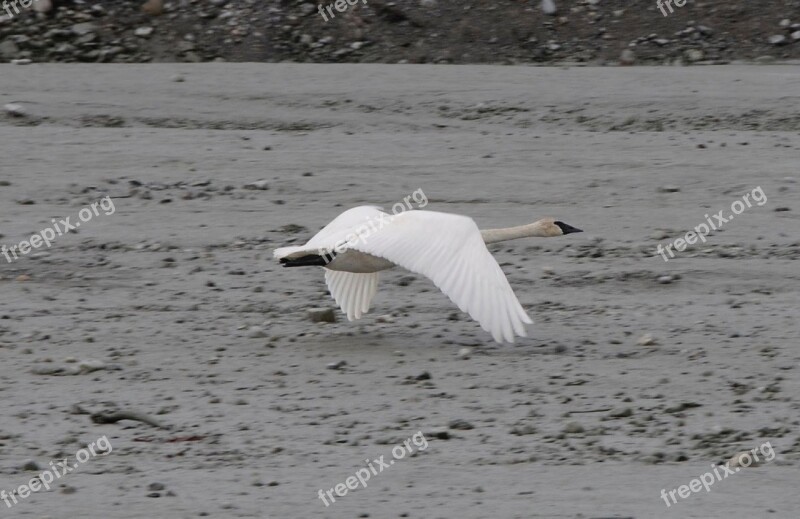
(260, 185)
(694, 55)
(647, 340)
(153, 7)
(15, 110)
(144, 32)
(31, 465)
(523, 430)
(743, 459)
(256, 332)
(461, 425)
(683, 406)
(627, 58)
(322, 315)
(623, 412)
(778, 39)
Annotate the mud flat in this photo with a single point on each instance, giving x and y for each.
(637, 376)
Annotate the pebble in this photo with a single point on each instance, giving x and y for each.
(669, 189)
(549, 7)
(260, 185)
(777, 39)
(322, 315)
(440, 433)
(740, 460)
(573, 428)
(464, 353)
(337, 365)
(627, 57)
(256, 332)
(143, 32)
(30, 465)
(461, 425)
(694, 55)
(623, 412)
(524, 430)
(646, 340)
(15, 110)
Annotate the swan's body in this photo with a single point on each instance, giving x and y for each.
(447, 248)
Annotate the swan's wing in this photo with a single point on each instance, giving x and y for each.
(336, 233)
(449, 250)
(352, 292)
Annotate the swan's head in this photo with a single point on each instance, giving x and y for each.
(553, 227)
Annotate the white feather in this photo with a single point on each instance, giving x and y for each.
(446, 248)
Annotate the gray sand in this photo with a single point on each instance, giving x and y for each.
(176, 310)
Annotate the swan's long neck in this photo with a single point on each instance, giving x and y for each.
(530, 230)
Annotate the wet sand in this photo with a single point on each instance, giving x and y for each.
(172, 306)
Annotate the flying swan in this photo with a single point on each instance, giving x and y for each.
(447, 248)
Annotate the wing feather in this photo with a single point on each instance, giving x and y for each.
(450, 251)
(352, 292)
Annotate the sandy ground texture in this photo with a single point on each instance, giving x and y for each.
(165, 325)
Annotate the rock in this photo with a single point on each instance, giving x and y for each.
(669, 189)
(31, 465)
(627, 58)
(337, 365)
(523, 430)
(796, 36)
(646, 340)
(665, 280)
(91, 365)
(743, 459)
(621, 413)
(15, 110)
(777, 39)
(143, 32)
(461, 425)
(260, 185)
(464, 353)
(694, 55)
(322, 315)
(81, 29)
(256, 332)
(8, 49)
(42, 6)
(549, 7)
(573, 428)
(683, 406)
(153, 7)
(439, 432)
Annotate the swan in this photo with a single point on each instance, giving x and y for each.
(447, 248)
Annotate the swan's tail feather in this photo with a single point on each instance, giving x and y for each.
(311, 260)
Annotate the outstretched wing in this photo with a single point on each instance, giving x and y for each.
(336, 233)
(352, 292)
(449, 250)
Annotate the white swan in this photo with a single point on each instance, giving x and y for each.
(447, 248)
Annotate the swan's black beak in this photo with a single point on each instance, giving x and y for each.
(567, 229)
